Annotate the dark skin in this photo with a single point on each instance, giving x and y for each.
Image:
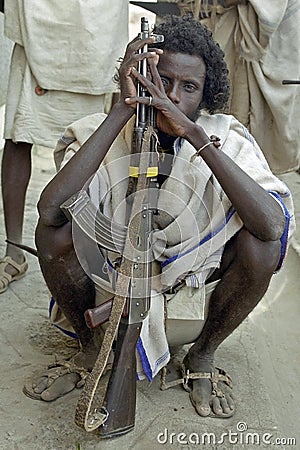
(16, 165)
(249, 259)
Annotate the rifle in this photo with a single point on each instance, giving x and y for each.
(131, 301)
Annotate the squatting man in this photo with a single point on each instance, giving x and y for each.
(224, 219)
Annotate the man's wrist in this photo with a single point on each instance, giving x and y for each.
(122, 110)
(197, 136)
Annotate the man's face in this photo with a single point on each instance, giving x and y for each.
(183, 77)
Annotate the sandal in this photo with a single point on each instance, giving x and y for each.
(5, 277)
(215, 376)
(53, 372)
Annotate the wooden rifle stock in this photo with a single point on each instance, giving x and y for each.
(94, 317)
(120, 397)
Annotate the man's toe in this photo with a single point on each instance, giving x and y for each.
(202, 407)
(216, 406)
(60, 387)
(225, 406)
(230, 401)
(222, 406)
(203, 410)
(40, 385)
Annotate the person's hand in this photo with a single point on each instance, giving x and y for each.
(169, 118)
(128, 83)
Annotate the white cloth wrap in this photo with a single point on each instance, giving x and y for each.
(71, 46)
(71, 51)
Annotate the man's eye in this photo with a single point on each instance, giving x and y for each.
(165, 83)
(190, 87)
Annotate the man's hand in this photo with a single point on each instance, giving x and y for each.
(169, 118)
(128, 82)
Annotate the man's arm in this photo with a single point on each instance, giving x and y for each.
(83, 165)
(72, 177)
(259, 211)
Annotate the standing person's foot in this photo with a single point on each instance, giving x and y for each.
(11, 271)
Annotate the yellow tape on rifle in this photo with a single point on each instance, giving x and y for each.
(151, 172)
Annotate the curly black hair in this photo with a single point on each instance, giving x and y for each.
(187, 35)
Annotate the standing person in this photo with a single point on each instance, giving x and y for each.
(222, 224)
(261, 42)
(54, 80)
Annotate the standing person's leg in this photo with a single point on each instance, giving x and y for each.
(245, 273)
(15, 176)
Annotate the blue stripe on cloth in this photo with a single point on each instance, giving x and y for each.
(66, 140)
(144, 359)
(284, 237)
(248, 135)
(205, 239)
(147, 370)
(68, 333)
(162, 358)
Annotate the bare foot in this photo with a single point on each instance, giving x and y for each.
(211, 394)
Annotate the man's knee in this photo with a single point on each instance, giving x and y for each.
(259, 258)
(53, 242)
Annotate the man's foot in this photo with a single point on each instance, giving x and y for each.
(62, 377)
(57, 380)
(10, 271)
(211, 390)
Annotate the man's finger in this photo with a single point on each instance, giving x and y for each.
(155, 75)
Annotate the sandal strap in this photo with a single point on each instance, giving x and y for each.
(5, 277)
(215, 377)
(63, 367)
(7, 260)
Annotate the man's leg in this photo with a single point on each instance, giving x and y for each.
(16, 172)
(246, 270)
(74, 293)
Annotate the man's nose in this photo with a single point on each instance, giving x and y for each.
(174, 94)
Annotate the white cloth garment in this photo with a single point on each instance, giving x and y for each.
(62, 65)
(70, 46)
